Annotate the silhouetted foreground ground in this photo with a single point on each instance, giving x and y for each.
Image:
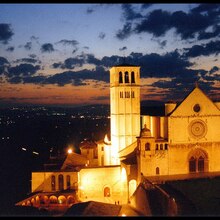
(24, 211)
(90, 208)
(204, 193)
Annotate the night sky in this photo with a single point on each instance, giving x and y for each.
(60, 54)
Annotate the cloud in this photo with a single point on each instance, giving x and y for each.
(28, 45)
(74, 51)
(61, 79)
(111, 61)
(76, 78)
(129, 13)
(68, 42)
(213, 47)
(94, 7)
(47, 47)
(10, 49)
(157, 23)
(23, 70)
(156, 65)
(78, 61)
(100, 98)
(89, 10)
(101, 35)
(145, 6)
(32, 55)
(57, 65)
(181, 84)
(205, 8)
(175, 70)
(123, 48)
(162, 44)
(125, 32)
(90, 58)
(6, 33)
(187, 25)
(3, 61)
(71, 63)
(27, 79)
(28, 60)
(214, 69)
(34, 38)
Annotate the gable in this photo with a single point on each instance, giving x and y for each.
(196, 103)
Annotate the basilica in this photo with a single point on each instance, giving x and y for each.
(184, 142)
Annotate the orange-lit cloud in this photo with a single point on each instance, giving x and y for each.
(52, 94)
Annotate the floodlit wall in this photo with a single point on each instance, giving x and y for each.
(100, 184)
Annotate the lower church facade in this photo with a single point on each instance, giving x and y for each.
(183, 142)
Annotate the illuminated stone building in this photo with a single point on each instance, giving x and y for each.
(183, 141)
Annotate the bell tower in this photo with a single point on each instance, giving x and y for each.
(125, 107)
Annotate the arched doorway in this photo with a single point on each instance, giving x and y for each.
(107, 192)
(53, 199)
(70, 200)
(198, 161)
(61, 199)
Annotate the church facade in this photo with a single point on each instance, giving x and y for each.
(185, 140)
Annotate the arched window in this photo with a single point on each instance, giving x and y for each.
(121, 94)
(147, 146)
(53, 199)
(126, 77)
(53, 183)
(60, 181)
(157, 170)
(198, 161)
(70, 200)
(132, 94)
(161, 146)
(132, 77)
(95, 151)
(192, 164)
(120, 77)
(128, 95)
(166, 147)
(68, 181)
(201, 164)
(106, 192)
(61, 199)
(157, 147)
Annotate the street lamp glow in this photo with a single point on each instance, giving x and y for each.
(70, 151)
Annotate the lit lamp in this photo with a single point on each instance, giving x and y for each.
(70, 151)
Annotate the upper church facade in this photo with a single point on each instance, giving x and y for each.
(185, 140)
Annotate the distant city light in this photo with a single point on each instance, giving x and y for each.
(34, 152)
